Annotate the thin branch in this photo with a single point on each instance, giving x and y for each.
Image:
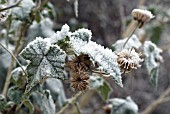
(14, 58)
(72, 100)
(162, 99)
(12, 6)
(77, 107)
(16, 51)
(131, 33)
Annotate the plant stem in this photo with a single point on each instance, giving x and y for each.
(13, 57)
(162, 99)
(16, 51)
(131, 33)
(12, 6)
(71, 101)
(77, 107)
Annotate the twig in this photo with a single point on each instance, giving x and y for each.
(77, 107)
(72, 100)
(12, 6)
(40, 5)
(13, 57)
(162, 99)
(131, 33)
(16, 51)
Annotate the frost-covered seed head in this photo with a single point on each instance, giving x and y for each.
(80, 81)
(128, 59)
(142, 15)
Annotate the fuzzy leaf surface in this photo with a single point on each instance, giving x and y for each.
(46, 61)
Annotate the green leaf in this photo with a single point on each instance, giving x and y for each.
(47, 61)
(23, 11)
(104, 91)
(102, 87)
(3, 1)
(123, 106)
(154, 76)
(15, 94)
(18, 78)
(30, 106)
(152, 61)
(2, 103)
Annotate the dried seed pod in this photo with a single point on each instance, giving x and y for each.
(128, 59)
(80, 81)
(142, 16)
(81, 62)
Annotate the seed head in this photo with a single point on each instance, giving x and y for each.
(81, 62)
(128, 59)
(80, 81)
(142, 16)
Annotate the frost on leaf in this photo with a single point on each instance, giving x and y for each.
(60, 35)
(103, 56)
(132, 43)
(46, 60)
(123, 106)
(152, 60)
(45, 101)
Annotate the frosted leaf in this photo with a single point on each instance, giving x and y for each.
(122, 106)
(57, 91)
(23, 11)
(60, 34)
(102, 87)
(152, 60)
(103, 56)
(46, 61)
(48, 105)
(82, 34)
(132, 43)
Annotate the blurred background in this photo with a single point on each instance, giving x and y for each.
(109, 21)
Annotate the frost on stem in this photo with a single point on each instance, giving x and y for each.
(132, 43)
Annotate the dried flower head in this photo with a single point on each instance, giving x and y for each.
(142, 16)
(128, 59)
(81, 62)
(80, 81)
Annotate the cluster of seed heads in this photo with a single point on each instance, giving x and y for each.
(79, 67)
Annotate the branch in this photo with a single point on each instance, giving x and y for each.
(71, 101)
(12, 6)
(16, 51)
(77, 107)
(162, 99)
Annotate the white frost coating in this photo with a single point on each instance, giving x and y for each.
(142, 15)
(83, 34)
(152, 54)
(45, 47)
(104, 56)
(60, 34)
(132, 43)
(124, 104)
